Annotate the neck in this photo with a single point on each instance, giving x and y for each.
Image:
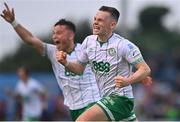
(104, 38)
(25, 80)
(71, 48)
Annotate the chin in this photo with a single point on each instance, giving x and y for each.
(95, 33)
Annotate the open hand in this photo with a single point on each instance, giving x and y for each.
(8, 14)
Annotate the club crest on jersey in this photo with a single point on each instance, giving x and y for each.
(111, 51)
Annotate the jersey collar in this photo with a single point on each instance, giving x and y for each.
(103, 42)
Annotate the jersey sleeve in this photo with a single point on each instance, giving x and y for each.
(48, 50)
(82, 58)
(131, 53)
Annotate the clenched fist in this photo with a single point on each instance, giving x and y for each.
(121, 81)
(147, 81)
(61, 57)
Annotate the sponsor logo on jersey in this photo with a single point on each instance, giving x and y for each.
(135, 53)
(103, 67)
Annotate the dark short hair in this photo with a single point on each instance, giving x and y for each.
(113, 11)
(67, 23)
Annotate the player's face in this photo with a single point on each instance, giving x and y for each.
(102, 23)
(22, 74)
(61, 37)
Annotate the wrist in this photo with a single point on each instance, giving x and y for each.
(14, 23)
(128, 81)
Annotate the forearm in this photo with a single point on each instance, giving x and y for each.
(28, 38)
(142, 72)
(75, 67)
(24, 34)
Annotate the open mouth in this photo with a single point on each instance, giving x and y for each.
(56, 42)
(96, 28)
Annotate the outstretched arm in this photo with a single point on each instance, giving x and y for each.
(24, 34)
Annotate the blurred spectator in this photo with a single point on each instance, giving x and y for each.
(28, 94)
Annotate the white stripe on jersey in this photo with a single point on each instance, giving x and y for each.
(78, 90)
(112, 58)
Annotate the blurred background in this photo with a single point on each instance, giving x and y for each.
(153, 25)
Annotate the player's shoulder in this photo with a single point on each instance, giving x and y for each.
(92, 37)
(89, 40)
(50, 45)
(49, 48)
(78, 46)
(120, 38)
(128, 45)
(116, 38)
(122, 42)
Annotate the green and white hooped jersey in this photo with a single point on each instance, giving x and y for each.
(112, 58)
(78, 90)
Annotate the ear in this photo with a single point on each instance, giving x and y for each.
(71, 35)
(113, 25)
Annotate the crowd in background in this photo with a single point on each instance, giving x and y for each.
(161, 101)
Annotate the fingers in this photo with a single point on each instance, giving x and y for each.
(4, 12)
(119, 81)
(6, 6)
(61, 53)
(64, 54)
(119, 78)
(13, 12)
(147, 81)
(2, 16)
(8, 14)
(61, 56)
(119, 84)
